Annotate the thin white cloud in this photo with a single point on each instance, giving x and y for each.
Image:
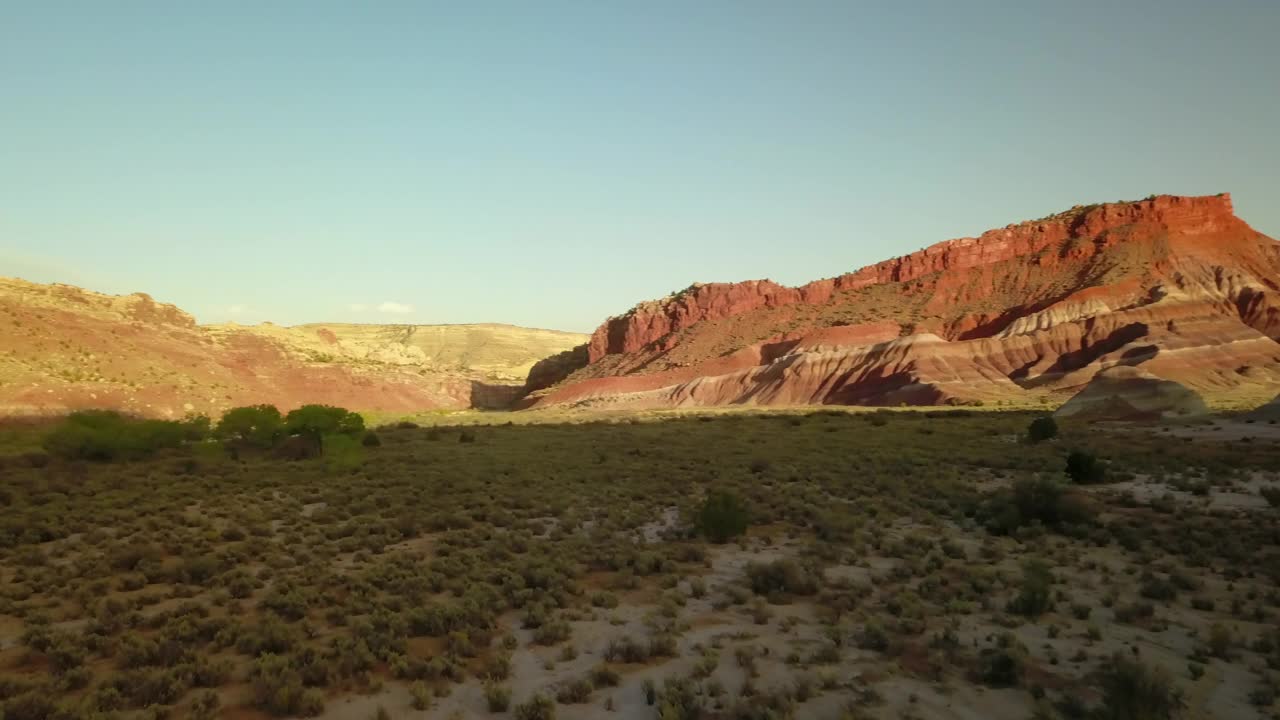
(389, 307)
(237, 309)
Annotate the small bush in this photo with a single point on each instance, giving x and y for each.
(1000, 667)
(1133, 691)
(419, 695)
(722, 516)
(1035, 596)
(781, 576)
(553, 632)
(278, 688)
(626, 650)
(575, 692)
(1085, 469)
(1041, 429)
(498, 698)
(604, 676)
(537, 707)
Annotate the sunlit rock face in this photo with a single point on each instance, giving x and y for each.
(1177, 285)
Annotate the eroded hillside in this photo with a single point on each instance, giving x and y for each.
(67, 348)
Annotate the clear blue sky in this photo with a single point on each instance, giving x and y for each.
(551, 163)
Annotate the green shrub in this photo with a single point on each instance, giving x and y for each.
(604, 676)
(1085, 469)
(1156, 588)
(498, 698)
(1000, 667)
(781, 576)
(342, 453)
(1031, 500)
(574, 692)
(277, 688)
(1035, 596)
(537, 707)
(34, 705)
(105, 436)
(205, 705)
(420, 695)
(1133, 691)
(552, 632)
(722, 516)
(1041, 429)
(626, 650)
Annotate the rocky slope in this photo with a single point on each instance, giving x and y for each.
(1129, 393)
(1178, 285)
(63, 348)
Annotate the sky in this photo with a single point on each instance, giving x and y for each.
(552, 163)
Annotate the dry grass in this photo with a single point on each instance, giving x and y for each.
(515, 562)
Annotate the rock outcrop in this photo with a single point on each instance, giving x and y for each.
(63, 348)
(1179, 285)
(1129, 393)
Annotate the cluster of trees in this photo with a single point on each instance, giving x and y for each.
(262, 426)
(106, 436)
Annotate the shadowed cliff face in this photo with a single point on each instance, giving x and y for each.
(66, 348)
(1039, 306)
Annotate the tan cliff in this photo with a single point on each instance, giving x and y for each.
(66, 348)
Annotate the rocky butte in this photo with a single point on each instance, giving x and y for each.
(1177, 285)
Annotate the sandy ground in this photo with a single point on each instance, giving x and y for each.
(1225, 430)
(1239, 496)
(1221, 693)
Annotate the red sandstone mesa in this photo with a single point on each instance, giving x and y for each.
(1179, 285)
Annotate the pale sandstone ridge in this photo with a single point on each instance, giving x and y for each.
(63, 348)
(1129, 393)
(1178, 285)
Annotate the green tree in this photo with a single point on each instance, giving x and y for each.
(722, 516)
(258, 425)
(1041, 429)
(315, 421)
(1085, 469)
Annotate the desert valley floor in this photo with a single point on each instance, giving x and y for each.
(927, 564)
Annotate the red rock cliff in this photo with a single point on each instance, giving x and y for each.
(652, 323)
